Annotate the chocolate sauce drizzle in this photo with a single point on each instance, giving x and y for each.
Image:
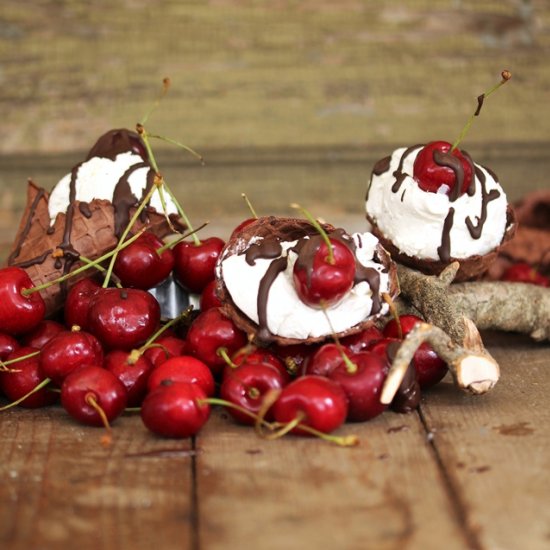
(444, 251)
(486, 197)
(398, 174)
(306, 249)
(383, 165)
(277, 266)
(265, 249)
(455, 164)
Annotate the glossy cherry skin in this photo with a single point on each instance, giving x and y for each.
(325, 284)
(364, 386)
(241, 226)
(78, 301)
(164, 347)
(321, 401)
(183, 369)
(431, 176)
(18, 313)
(123, 318)
(522, 272)
(361, 341)
(251, 354)
(430, 369)
(246, 387)
(8, 344)
(209, 298)
(210, 332)
(327, 358)
(133, 374)
(175, 410)
(68, 351)
(42, 334)
(100, 384)
(139, 265)
(26, 375)
(194, 264)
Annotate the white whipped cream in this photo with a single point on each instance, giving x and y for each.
(413, 219)
(97, 178)
(287, 315)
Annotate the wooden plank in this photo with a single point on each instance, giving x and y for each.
(495, 449)
(271, 73)
(61, 489)
(304, 493)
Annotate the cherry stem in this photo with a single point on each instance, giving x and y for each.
(27, 291)
(222, 352)
(505, 76)
(249, 204)
(100, 268)
(342, 441)
(351, 367)
(132, 409)
(22, 358)
(318, 227)
(164, 91)
(180, 145)
(145, 138)
(38, 387)
(230, 405)
(91, 400)
(173, 243)
(394, 313)
(157, 183)
(149, 343)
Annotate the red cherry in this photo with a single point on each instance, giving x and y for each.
(78, 302)
(325, 360)
(68, 351)
(294, 356)
(246, 387)
(195, 263)
(132, 372)
(319, 282)
(164, 347)
(318, 402)
(8, 344)
(139, 265)
(241, 226)
(123, 318)
(209, 333)
(93, 383)
(522, 272)
(24, 378)
(209, 298)
(430, 369)
(183, 369)
(361, 341)
(18, 313)
(251, 354)
(42, 334)
(431, 176)
(363, 386)
(175, 410)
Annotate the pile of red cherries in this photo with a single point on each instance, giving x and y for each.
(107, 355)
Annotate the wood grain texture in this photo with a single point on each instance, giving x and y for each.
(61, 489)
(301, 493)
(253, 73)
(494, 450)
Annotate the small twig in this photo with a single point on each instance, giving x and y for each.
(473, 369)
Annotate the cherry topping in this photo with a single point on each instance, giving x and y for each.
(437, 166)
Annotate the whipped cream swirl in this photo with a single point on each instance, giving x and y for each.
(429, 225)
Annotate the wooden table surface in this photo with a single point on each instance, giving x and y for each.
(461, 472)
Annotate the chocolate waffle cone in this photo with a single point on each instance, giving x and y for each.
(47, 252)
(287, 229)
(471, 268)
